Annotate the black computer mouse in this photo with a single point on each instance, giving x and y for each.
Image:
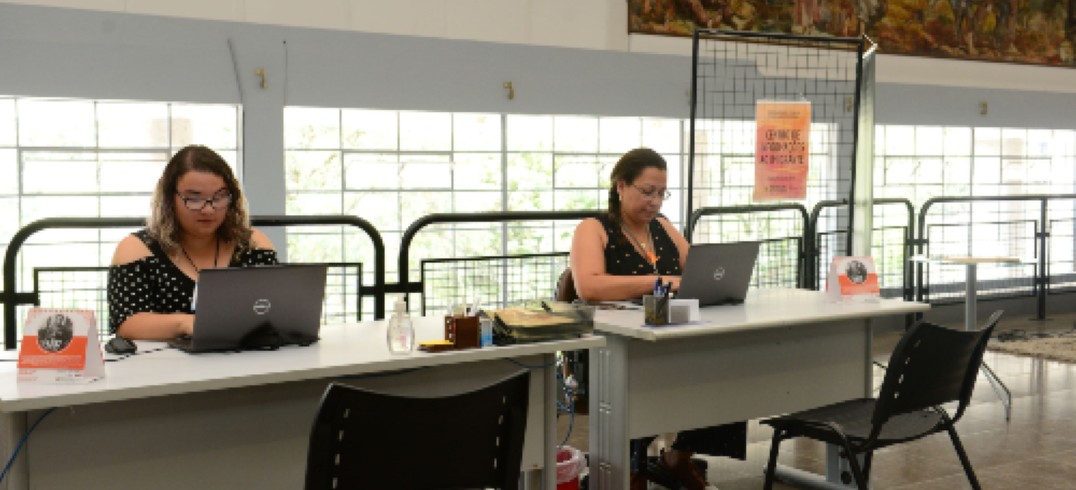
(120, 345)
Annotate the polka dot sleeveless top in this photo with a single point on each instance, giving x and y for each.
(621, 258)
(154, 284)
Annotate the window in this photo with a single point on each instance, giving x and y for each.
(91, 158)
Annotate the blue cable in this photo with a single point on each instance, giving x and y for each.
(18, 447)
(567, 391)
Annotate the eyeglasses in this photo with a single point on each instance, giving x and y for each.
(220, 201)
(653, 193)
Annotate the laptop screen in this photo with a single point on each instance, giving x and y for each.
(718, 273)
(257, 307)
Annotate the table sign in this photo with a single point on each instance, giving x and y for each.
(852, 278)
(60, 346)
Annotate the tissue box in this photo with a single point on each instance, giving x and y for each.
(684, 310)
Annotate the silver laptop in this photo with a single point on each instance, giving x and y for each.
(256, 308)
(718, 273)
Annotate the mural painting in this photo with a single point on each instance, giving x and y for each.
(1017, 31)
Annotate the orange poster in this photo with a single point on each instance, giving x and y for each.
(781, 149)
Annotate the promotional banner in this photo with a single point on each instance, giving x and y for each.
(781, 149)
(60, 346)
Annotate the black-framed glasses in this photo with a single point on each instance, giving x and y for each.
(219, 201)
(653, 193)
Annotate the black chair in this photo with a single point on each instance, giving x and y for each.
(368, 440)
(930, 366)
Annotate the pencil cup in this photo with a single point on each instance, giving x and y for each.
(656, 310)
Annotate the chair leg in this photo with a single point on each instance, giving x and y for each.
(867, 458)
(853, 462)
(964, 461)
(771, 467)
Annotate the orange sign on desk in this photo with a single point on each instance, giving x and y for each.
(781, 149)
(60, 346)
(852, 278)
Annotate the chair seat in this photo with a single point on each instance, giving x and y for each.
(854, 419)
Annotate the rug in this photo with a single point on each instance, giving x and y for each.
(1055, 347)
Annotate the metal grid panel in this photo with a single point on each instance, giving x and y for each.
(889, 248)
(495, 281)
(779, 231)
(736, 70)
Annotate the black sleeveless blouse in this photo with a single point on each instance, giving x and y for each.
(621, 258)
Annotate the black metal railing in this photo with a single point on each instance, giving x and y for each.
(780, 229)
(12, 297)
(438, 282)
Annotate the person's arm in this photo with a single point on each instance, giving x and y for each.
(123, 289)
(592, 281)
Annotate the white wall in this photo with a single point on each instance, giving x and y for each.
(588, 24)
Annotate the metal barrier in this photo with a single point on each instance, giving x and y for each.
(87, 283)
(446, 281)
(781, 231)
(891, 239)
(1011, 226)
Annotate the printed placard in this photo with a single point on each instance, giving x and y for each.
(852, 278)
(60, 346)
(781, 149)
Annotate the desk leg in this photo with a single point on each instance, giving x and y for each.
(12, 428)
(610, 465)
(549, 467)
(835, 465)
(546, 479)
(971, 320)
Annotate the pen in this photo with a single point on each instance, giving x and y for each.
(657, 287)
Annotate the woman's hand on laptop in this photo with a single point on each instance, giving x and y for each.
(186, 325)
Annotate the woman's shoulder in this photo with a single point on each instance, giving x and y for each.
(132, 248)
(260, 241)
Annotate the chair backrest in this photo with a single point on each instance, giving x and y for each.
(566, 287)
(365, 439)
(930, 366)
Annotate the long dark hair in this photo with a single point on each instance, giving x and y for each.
(162, 224)
(627, 169)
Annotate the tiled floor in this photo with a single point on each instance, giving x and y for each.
(1036, 449)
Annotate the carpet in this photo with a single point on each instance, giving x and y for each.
(1056, 347)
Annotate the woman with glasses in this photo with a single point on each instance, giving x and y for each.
(619, 256)
(198, 221)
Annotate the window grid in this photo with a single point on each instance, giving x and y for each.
(91, 158)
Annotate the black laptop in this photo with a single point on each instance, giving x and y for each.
(718, 273)
(256, 308)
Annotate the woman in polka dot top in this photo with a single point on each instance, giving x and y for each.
(198, 221)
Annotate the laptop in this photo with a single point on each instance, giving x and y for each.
(718, 273)
(256, 308)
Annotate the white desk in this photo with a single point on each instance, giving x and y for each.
(171, 420)
(782, 350)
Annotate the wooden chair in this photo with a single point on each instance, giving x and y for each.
(367, 440)
(930, 366)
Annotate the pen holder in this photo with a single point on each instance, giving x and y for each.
(462, 331)
(656, 310)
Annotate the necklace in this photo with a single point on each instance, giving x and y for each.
(216, 255)
(647, 253)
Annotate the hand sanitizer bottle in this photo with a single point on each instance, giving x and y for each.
(401, 333)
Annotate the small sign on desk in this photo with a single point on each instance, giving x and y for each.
(60, 346)
(852, 278)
